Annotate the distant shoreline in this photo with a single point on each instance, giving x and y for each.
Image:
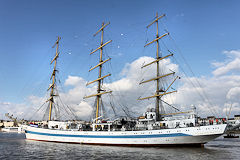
(234, 131)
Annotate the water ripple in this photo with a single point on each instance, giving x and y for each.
(14, 147)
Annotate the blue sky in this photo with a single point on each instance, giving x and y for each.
(201, 29)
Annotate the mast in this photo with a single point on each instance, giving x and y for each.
(100, 78)
(53, 78)
(157, 89)
(159, 92)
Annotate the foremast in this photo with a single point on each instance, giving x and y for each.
(159, 92)
(100, 78)
(53, 78)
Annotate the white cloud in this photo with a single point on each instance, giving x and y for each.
(73, 81)
(230, 65)
(234, 93)
(232, 53)
(83, 110)
(17, 110)
(231, 108)
(217, 64)
(210, 97)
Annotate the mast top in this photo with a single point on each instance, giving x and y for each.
(157, 18)
(101, 29)
(57, 41)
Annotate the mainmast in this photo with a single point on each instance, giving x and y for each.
(100, 78)
(53, 78)
(159, 90)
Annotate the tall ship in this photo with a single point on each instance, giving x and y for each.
(153, 128)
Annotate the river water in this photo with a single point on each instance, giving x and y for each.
(14, 146)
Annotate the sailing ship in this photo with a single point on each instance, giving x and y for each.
(151, 129)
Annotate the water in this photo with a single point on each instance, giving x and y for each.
(14, 146)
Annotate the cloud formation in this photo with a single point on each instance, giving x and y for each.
(230, 65)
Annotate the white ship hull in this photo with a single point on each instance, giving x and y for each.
(164, 137)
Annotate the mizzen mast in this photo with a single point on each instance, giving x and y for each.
(100, 78)
(53, 78)
(159, 90)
